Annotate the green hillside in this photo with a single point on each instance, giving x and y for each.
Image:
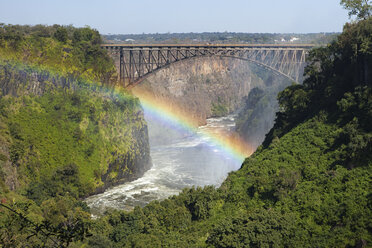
(64, 133)
(68, 51)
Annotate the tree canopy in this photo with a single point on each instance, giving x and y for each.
(362, 9)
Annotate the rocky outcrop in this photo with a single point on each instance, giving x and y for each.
(120, 123)
(202, 87)
(257, 115)
(131, 165)
(205, 87)
(17, 80)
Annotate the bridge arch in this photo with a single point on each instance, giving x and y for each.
(266, 66)
(137, 62)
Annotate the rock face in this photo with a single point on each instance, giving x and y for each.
(207, 87)
(202, 87)
(19, 81)
(257, 114)
(119, 151)
(131, 165)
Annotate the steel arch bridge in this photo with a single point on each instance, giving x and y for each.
(136, 61)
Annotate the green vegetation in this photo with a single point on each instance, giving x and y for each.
(60, 146)
(66, 137)
(219, 108)
(360, 8)
(62, 135)
(68, 51)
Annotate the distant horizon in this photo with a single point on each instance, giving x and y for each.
(191, 32)
(228, 32)
(202, 32)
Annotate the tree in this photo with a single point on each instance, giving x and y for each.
(61, 34)
(360, 8)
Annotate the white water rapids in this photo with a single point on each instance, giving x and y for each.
(182, 161)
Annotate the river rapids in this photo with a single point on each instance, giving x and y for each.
(186, 160)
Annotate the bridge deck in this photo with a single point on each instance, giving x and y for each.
(302, 46)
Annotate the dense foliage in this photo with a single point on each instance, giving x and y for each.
(67, 50)
(62, 135)
(220, 108)
(55, 149)
(362, 9)
(66, 138)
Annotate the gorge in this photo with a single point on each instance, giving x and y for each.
(69, 131)
(198, 89)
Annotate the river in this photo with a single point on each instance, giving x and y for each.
(185, 160)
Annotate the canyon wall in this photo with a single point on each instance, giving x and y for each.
(207, 87)
(257, 115)
(202, 87)
(51, 125)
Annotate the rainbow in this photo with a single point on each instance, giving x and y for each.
(231, 145)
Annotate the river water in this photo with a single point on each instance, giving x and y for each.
(185, 160)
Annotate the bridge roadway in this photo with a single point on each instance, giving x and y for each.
(304, 46)
(135, 62)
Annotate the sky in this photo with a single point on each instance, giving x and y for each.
(177, 16)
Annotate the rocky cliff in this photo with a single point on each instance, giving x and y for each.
(257, 115)
(203, 87)
(53, 126)
(210, 86)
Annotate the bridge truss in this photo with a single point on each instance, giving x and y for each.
(136, 62)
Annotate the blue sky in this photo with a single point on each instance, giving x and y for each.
(162, 16)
